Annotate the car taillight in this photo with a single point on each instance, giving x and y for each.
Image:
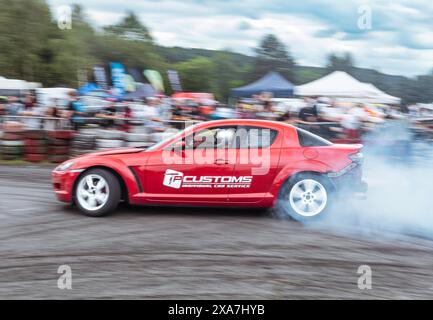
(357, 157)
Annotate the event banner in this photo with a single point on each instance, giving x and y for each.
(136, 74)
(100, 76)
(174, 79)
(118, 78)
(129, 83)
(155, 79)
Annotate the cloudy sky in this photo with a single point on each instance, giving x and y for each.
(400, 40)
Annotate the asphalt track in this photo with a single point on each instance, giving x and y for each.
(167, 253)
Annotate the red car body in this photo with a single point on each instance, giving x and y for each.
(226, 180)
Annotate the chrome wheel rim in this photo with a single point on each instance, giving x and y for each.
(92, 192)
(308, 198)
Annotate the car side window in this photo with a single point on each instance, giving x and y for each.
(255, 137)
(211, 138)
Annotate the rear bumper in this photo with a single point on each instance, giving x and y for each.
(63, 183)
(349, 180)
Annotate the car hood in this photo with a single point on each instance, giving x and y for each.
(114, 152)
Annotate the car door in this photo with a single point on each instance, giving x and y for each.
(258, 156)
(194, 169)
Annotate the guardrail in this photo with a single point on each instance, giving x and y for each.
(53, 139)
(37, 139)
(77, 124)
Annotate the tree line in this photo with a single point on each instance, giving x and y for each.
(34, 48)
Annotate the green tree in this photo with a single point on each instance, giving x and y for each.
(227, 74)
(336, 62)
(72, 56)
(272, 55)
(197, 74)
(25, 27)
(130, 28)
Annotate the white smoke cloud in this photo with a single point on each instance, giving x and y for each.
(400, 196)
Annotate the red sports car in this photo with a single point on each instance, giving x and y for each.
(226, 163)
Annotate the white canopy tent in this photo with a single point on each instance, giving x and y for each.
(49, 96)
(380, 96)
(14, 84)
(339, 84)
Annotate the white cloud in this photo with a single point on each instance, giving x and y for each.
(400, 41)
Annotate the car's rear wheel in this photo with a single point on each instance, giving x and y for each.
(97, 192)
(305, 197)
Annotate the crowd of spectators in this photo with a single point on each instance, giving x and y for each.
(157, 112)
(160, 112)
(330, 118)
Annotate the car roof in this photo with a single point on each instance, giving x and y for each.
(247, 122)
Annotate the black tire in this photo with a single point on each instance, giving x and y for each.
(84, 139)
(13, 150)
(35, 143)
(113, 196)
(36, 150)
(35, 157)
(58, 150)
(12, 136)
(58, 158)
(10, 157)
(83, 145)
(284, 206)
(58, 142)
(35, 134)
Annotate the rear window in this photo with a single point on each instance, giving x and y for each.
(308, 139)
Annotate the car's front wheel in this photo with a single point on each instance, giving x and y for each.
(305, 197)
(97, 192)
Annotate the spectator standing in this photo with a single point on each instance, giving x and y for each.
(246, 111)
(352, 122)
(165, 109)
(14, 106)
(108, 115)
(151, 113)
(76, 110)
(309, 113)
(285, 117)
(29, 102)
(268, 111)
(52, 122)
(3, 102)
(33, 111)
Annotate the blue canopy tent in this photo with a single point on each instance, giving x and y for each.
(89, 87)
(272, 82)
(92, 89)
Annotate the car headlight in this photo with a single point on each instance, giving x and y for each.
(64, 166)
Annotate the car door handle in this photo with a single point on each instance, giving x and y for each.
(221, 162)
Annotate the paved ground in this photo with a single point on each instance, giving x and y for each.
(187, 253)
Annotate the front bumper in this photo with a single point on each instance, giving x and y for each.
(63, 183)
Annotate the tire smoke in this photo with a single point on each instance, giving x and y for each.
(399, 171)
